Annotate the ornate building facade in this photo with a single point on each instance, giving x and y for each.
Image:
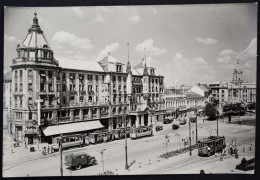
(49, 95)
(236, 89)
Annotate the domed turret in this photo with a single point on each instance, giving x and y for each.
(237, 75)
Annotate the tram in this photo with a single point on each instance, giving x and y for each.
(100, 136)
(141, 132)
(70, 141)
(211, 145)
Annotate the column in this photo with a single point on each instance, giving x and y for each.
(110, 124)
(81, 114)
(149, 120)
(98, 112)
(142, 120)
(90, 113)
(72, 115)
(137, 121)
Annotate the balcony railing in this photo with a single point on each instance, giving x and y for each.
(83, 92)
(73, 93)
(43, 93)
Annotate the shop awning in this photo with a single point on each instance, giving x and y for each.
(71, 128)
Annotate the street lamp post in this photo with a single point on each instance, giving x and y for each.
(61, 164)
(102, 153)
(190, 138)
(126, 160)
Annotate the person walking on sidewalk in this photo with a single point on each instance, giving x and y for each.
(25, 145)
(48, 149)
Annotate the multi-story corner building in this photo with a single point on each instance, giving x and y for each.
(236, 89)
(7, 101)
(61, 96)
(179, 101)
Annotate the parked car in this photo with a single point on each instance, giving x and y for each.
(78, 160)
(182, 121)
(175, 126)
(193, 118)
(158, 128)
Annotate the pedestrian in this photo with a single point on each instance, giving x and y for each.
(250, 147)
(25, 145)
(43, 151)
(48, 149)
(231, 149)
(12, 149)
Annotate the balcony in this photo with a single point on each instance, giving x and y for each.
(51, 92)
(82, 93)
(73, 93)
(63, 119)
(43, 92)
(91, 93)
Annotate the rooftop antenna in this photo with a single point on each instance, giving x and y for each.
(128, 50)
(145, 55)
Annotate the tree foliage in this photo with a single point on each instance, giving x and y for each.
(210, 111)
(234, 107)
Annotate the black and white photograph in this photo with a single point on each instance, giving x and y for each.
(129, 90)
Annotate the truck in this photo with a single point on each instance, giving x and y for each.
(78, 160)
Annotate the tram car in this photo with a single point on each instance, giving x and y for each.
(100, 136)
(69, 141)
(211, 145)
(141, 132)
(119, 133)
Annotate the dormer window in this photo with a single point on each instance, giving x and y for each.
(152, 71)
(119, 68)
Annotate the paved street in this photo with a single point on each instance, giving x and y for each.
(144, 152)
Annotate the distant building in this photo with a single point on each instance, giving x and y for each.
(180, 101)
(7, 101)
(49, 93)
(236, 89)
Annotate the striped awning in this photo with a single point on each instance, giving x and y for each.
(71, 128)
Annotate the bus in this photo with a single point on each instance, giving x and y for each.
(69, 141)
(141, 132)
(100, 136)
(211, 145)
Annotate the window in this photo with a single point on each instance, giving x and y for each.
(58, 87)
(119, 78)
(96, 77)
(30, 74)
(64, 100)
(15, 101)
(21, 87)
(30, 87)
(63, 87)
(50, 101)
(90, 78)
(30, 115)
(30, 101)
(15, 74)
(21, 73)
(21, 101)
(16, 87)
(89, 88)
(63, 76)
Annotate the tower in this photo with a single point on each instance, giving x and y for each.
(129, 75)
(237, 82)
(145, 80)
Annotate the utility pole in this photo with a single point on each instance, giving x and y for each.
(61, 164)
(217, 126)
(126, 161)
(190, 137)
(196, 130)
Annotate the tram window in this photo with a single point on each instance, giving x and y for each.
(144, 130)
(72, 139)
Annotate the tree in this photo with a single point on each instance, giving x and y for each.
(210, 111)
(234, 107)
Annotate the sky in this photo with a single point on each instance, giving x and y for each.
(186, 44)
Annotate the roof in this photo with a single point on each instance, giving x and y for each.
(8, 76)
(79, 64)
(71, 127)
(110, 59)
(135, 72)
(193, 95)
(204, 88)
(35, 36)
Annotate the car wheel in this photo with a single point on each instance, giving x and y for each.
(78, 166)
(92, 162)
